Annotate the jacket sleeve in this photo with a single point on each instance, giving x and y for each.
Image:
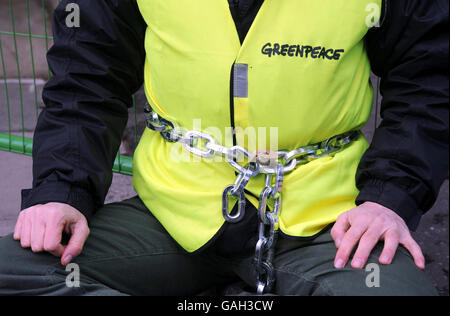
(96, 68)
(408, 159)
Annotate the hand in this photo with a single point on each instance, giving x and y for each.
(367, 224)
(41, 226)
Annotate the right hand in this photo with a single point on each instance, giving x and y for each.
(41, 226)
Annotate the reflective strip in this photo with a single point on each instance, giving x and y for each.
(240, 78)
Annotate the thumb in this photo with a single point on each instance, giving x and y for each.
(80, 232)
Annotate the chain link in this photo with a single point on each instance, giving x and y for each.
(237, 190)
(204, 145)
(273, 164)
(268, 230)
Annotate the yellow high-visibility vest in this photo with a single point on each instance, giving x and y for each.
(301, 76)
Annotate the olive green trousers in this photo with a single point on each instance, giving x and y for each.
(129, 253)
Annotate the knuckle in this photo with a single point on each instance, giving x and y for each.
(355, 233)
(381, 221)
(341, 217)
(36, 210)
(56, 218)
(369, 237)
(21, 215)
(54, 213)
(334, 232)
(24, 214)
(35, 214)
(362, 222)
(83, 228)
(392, 235)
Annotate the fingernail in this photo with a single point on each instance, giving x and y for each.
(384, 259)
(422, 264)
(67, 259)
(357, 263)
(339, 264)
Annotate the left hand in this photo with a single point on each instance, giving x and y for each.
(367, 224)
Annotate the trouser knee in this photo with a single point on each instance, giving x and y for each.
(21, 270)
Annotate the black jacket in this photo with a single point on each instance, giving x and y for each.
(97, 67)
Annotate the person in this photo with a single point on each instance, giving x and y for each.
(300, 66)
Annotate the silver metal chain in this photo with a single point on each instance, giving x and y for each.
(268, 230)
(273, 164)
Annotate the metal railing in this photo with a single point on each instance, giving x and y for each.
(21, 29)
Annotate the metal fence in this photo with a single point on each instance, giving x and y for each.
(25, 37)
